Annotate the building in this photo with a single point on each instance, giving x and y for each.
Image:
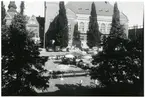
(32, 23)
(79, 12)
(10, 12)
(33, 26)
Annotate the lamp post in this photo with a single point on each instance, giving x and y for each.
(44, 23)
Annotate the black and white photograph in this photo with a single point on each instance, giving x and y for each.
(72, 48)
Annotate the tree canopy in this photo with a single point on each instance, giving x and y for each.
(120, 62)
(22, 67)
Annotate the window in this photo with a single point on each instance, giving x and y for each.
(100, 9)
(69, 36)
(69, 27)
(103, 28)
(32, 22)
(82, 26)
(82, 37)
(108, 28)
(79, 8)
(107, 10)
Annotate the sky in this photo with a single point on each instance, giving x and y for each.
(132, 9)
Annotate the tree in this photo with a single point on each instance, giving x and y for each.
(22, 67)
(117, 30)
(22, 7)
(76, 37)
(120, 62)
(93, 35)
(3, 13)
(62, 25)
(51, 33)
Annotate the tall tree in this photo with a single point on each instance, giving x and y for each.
(76, 37)
(116, 32)
(3, 13)
(22, 7)
(117, 29)
(22, 67)
(93, 35)
(62, 25)
(51, 33)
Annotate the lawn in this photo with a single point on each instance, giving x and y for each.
(57, 66)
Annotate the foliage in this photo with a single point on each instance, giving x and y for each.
(121, 60)
(76, 37)
(22, 67)
(93, 35)
(51, 33)
(12, 4)
(3, 13)
(62, 27)
(22, 6)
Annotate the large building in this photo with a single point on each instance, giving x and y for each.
(79, 12)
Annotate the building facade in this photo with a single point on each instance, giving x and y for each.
(33, 26)
(79, 12)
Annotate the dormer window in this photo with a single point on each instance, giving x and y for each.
(106, 2)
(80, 8)
(100, 10)
(107, 10)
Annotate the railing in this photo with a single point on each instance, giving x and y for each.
(69, 74)
(135, 27)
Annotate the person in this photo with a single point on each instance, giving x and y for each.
(61, 78)
(97, 82)
(81, 82)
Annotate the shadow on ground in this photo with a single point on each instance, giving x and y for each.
(76, 90)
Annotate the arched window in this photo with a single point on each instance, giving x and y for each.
(69, 27)
(81, 26)
(103, 28)
(108, 28)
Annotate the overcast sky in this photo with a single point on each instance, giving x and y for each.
(132, 9)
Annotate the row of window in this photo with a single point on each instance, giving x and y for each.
(81, 28)
(102, 28)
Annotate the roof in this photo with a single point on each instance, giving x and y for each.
(8, 16)
(12, 10)
(41, 20)
(32, 21)
(102, 8)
